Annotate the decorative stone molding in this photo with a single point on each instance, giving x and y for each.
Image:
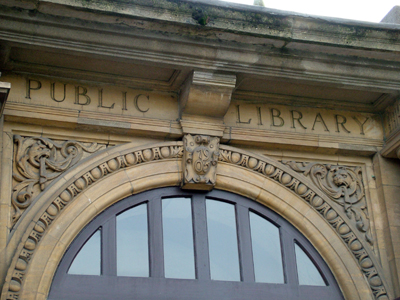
(311, 194)
(66, 196)
(37, 162)
(78, 182)
(344, 186)
(200, 162)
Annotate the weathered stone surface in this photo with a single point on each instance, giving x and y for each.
(307, 89)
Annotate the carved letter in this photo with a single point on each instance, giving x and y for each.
(275, 113)
(29, 87)
(259, 116)
(300, 116)
(101, 100)
(238, 116)
(137, 103)
(124, 101)
(361, 124)
(83, 93)
(52, 92)
(341, 123)
(318, 118)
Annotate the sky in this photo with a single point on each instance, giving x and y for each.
(362, 10)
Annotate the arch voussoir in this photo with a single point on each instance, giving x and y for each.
(108, 177)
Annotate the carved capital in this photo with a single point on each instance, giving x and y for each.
(200, 162)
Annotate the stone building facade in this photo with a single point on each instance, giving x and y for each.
(101, 100)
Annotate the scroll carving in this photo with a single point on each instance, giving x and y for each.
(276, 172)
(200, 162)
(264, 166)
(344, 186)
(37, 162)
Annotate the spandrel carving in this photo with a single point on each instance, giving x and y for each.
(344, 186)
(37, 162)
(200, 162)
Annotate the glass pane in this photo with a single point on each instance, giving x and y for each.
(267, 253)
(222, 241)
(178, 238)
(306, 270)
(132, 242)
(88, 260)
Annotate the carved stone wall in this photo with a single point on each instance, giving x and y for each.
(79, 182)
(342, 184)
(37, 162)
(200, 162)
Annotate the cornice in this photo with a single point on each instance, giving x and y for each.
(56, 29)
(252, 20)
(29, 231)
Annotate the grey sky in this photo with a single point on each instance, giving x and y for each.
(372, 11)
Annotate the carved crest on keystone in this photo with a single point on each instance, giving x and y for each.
(200, 162)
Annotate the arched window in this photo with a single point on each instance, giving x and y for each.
(171, 244)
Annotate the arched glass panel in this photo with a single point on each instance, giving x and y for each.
(222, 241)
(132, 242)
(178, 238)
(88, 259)
(267, 253)
(308, 273)
(171, 244)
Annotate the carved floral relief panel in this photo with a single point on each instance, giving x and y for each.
(342, 184)
(37, 162)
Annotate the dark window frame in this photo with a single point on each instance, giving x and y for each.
(110, 286)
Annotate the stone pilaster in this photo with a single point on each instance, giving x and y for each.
(387, 172)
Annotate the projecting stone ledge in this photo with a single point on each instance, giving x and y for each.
(205, 99)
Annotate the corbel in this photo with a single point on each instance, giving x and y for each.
(204, 101)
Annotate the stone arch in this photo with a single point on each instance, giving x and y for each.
(45, 231)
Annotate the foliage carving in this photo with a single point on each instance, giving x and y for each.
(37, 162)
(344, 186)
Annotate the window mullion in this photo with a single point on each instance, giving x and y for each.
(108, 248)
(200, 237)
(155, 238)
(288, 257)
(244, 240)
